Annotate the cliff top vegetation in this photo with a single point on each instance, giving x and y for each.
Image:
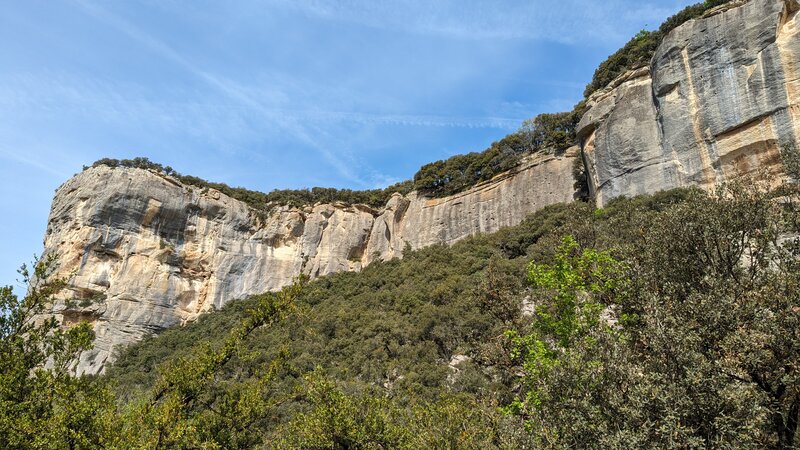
(544, 133)
(640, 49)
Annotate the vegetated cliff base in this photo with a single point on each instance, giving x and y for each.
(143, 252)
(720, 99)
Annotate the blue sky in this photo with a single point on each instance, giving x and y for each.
(272, 94)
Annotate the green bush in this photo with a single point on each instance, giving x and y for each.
(544, 133)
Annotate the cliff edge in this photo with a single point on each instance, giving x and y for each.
(718, 101)
(143, 252)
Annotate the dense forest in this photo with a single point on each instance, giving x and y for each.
(666, 321)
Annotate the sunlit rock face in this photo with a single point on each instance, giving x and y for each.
(718, 101)
(143, 252)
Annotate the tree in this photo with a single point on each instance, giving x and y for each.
(699, 345)
(567, 347)
(717, 302)
(195, 404)
(42, 405)
(370, 419)
(554, 132)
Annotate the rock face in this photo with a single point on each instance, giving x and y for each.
(720, 99)
(143, 252)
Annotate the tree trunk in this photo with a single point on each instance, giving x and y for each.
(787, 425)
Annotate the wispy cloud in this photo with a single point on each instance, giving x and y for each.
(566, 21)
(32, 161)
(61, 93)
(229, 88)
(299, 122)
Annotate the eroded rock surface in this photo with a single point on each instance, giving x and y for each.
(718, 101)
(143, 252)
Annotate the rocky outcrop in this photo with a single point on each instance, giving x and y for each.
(143, 252)
(719, 100)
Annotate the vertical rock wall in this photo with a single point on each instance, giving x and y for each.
(143, 252)
(718, 101)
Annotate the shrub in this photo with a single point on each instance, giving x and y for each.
(546, 132)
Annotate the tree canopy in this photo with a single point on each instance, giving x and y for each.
(659, 321)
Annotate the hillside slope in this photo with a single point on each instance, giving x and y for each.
(659, 321)
(145, 252)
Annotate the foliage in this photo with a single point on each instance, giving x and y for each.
(718, 309)
(576, 281)
(45, 408)
(371, 420)
(544, 133)
(340, 421)
(460, 172)
(43, 405)
(660, 321)
(564, 337)
(553, 131)
(698, 347)
(791, 161)
(195, 404)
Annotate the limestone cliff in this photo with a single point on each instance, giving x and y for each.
(719, 100)
(143, 252)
